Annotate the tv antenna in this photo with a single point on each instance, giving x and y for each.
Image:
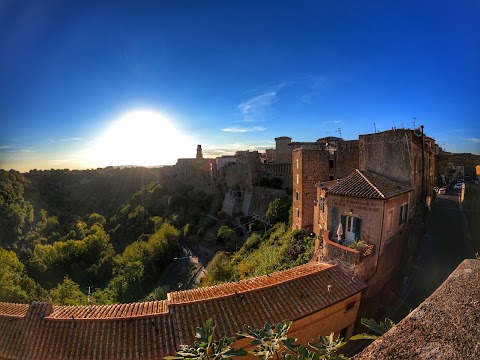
(340, 132)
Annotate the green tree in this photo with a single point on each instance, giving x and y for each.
(68, 293)
(16, 286)
(278, 210)
(219, 270)
(96, 218)
(225, 234)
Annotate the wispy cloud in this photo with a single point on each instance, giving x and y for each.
(331, 122)
(66, 139)
(14, 149)
(61, 161)
(473, 140)
(231, 149)
(307, 99)
(253, 108)
(243, 130)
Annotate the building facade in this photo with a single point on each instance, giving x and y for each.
(325, 160)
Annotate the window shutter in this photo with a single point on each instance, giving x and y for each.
(343, 220)
(357, 223)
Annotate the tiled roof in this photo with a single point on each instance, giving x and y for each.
(367, 184)
(39, 336)
(10, 309)
(256, 283)
(119, 311)
(305, 291)
(153, 330)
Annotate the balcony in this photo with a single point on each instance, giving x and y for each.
(346, 255)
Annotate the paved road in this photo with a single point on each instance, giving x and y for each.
(444, 247)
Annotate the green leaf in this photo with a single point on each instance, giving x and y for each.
(235, 352)
(364, 336)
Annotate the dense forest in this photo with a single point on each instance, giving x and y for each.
(110, 233)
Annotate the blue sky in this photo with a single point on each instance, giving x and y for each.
(230, 75)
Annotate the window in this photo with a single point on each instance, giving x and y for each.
(322, 204)
(298, 212)
(343, 333)
(297, 196)
(350, 306)
(351, 227)
(331, 177)
(297, 163)
(297, 179)
(390, 220)
(330, 163)
(403, 214)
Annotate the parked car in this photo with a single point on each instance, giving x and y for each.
(458, 186)
(441, 191)
(435, 188)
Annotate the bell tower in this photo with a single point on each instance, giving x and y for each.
(199, 152)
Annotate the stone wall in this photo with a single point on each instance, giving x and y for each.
(387, 154)
(397, 155)
(370, 211)
(346, 158)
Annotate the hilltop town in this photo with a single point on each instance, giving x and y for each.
(363, 202)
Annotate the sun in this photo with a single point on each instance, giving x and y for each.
(143, 138)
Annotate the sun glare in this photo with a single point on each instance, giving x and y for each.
(143, 138)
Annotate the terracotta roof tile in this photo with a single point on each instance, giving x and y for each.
(36, 336)
(10, 309)
(289, 294)
(120, 311)
(366, 184)
(256, 283)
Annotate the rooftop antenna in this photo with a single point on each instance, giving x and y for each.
(375, 127)
(414, 119)
(340, 132)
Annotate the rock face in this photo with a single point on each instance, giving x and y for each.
(444, 326)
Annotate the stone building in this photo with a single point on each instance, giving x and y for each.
(282, 152)
(404, 156)
(326, 159)
(319, 298)
(369, 207)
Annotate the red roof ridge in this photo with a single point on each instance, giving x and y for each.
(370, 183)
(247, 285)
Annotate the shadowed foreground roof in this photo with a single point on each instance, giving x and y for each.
(304, 290)
(444, 326)
(153, 330)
